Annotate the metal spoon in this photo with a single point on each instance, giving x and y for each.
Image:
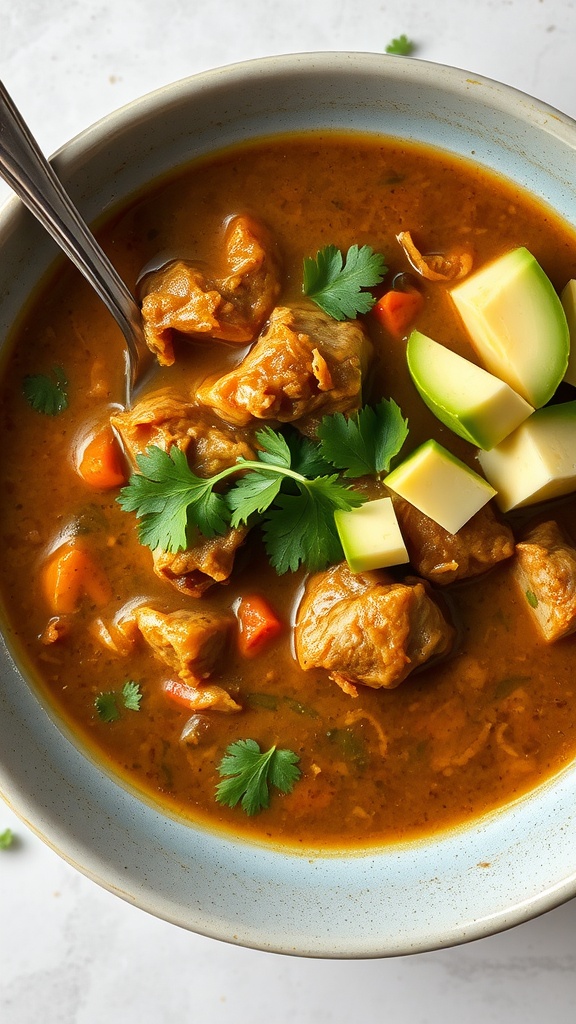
(24, 167)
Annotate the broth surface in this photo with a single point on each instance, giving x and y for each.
(454, 740)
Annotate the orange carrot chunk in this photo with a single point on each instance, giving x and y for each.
(103, 465)
(258, 623)
(396, 310)
(70, 575)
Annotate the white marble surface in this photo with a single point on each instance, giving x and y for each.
(71, 953)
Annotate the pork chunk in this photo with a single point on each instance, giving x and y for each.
(204, 563)
(366, 629)
(303, 366)
(545, 570)
(228, 306)
(191, 642)
(165, 418)
(443, 557)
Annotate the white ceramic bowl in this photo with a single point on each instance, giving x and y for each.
(483, 878)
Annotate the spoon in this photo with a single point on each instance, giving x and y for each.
(24, 167)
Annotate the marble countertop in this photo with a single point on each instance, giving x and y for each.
(70, 952)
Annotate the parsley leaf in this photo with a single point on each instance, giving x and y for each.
(132, 695)
(6, 838)
(248, 774)
(170, 499)
(366, 442)
(47, 394)
(402, 46)
(107, 707)
(336, 284)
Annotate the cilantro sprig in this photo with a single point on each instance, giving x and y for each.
(336, 283)
(401, 46)
(248, 773)
(291, 489)
(6, 839)
(47, 394)
(108, 704)
(366, 442)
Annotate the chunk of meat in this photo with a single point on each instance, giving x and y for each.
(165, 418)
(228, 307)
(545, 570)
(443, 557)
(204, 563)
(191, 642)
(303, 366)
(365, 628)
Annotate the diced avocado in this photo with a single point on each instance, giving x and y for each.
(370, 536)
(440, 485)
(568, 299)
(538, 461)
(516, 324)
(473, 403)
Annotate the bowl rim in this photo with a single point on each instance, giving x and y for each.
(271, 882)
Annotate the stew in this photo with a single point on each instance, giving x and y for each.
(400, 700)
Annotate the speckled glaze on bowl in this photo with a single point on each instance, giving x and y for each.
(495, 873)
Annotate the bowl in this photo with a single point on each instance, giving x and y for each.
(450, 888)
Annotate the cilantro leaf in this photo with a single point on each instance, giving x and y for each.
(336, 284)
(301, 529)
(47, 394)
(170, 499)
(131, 695)
(247, 775)
(306, 455)
(254, 492)
(6, 838)
(402, 46)
(107, 707)
(365, 442)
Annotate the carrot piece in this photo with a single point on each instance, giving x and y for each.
(102, 465)
(70, 575)
(396, 310)
(258, 624)
(180, 692)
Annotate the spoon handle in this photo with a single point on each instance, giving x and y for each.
(24, 167)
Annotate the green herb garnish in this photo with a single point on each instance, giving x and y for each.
(365, 442)
(401, 46)
(336, 284)
(132, 695)
(248, 774)
(298, 525)
(6, 838)
(108, 704)
(47, 394)
(531, 598)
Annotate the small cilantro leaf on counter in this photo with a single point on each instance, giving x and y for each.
(47, 394)
(366, 442)
(6, 839)
(247, 775)
(401, 46)
(336, 283)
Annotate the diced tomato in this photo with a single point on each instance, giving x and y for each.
(258, 623)
(397, 310)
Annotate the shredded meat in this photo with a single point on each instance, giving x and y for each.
(545, 570)
(228, 307)
(303, 366)
(191, 642)
(448, 266)
(443, 557)
(364, 628)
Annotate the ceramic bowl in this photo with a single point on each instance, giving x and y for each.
(496, 872)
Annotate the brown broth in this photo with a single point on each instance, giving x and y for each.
(450, 743)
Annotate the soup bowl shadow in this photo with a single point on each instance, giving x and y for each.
(453, 887)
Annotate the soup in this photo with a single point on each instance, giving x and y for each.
(246, 677)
